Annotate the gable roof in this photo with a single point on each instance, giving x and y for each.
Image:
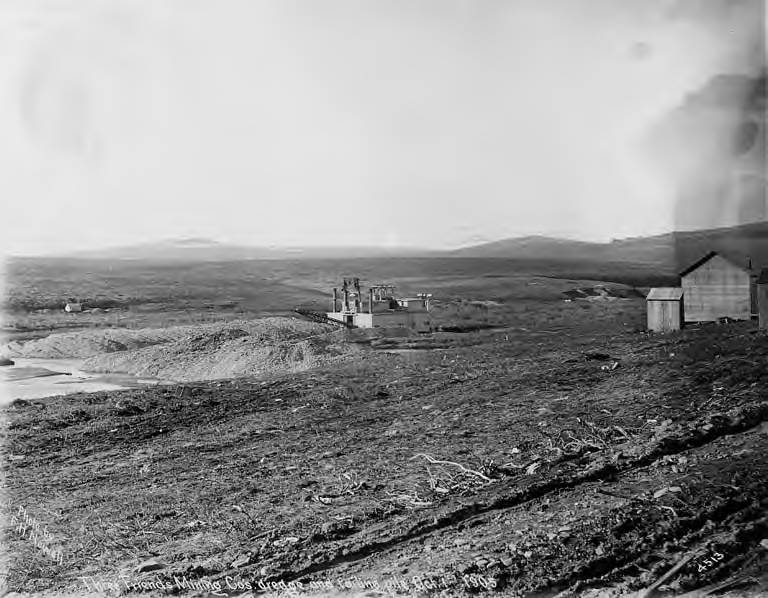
(665, 294)
(708, 257)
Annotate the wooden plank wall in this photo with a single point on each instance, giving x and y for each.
(664, 316)
(717, 289)
(762, 304)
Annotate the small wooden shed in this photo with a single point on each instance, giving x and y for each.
(762, 298)
(717, 287)
(665, 309)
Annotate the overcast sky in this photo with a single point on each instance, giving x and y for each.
(329, 122)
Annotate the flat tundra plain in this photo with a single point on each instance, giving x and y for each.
(542, 447)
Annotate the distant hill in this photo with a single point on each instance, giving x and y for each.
(200, 249)
(665, 254)
(669, 253)
(535, 247)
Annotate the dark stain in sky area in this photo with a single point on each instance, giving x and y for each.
(713, 145)
(640, 51)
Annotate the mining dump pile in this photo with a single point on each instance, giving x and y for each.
(204, 352)
(85, 343)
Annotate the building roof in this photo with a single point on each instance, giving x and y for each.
(665, 294)
(708, 257)
(763, 278)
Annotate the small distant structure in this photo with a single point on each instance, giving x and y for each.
(665, 309)
(716, 287)
(72, 307)
(383, 309)
(762, 299)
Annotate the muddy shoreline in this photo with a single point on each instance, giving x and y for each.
(37, 378)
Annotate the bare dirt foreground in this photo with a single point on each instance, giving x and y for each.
(520, 465)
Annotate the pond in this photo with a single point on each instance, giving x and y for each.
(40, 378)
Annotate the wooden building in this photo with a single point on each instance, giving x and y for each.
(665, 309)
(716, 287)
(762, 298)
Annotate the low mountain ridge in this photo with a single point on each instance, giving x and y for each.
(200, 249)
(669, 251)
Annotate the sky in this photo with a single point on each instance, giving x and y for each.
(433, 123)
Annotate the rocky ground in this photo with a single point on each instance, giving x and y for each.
(594, 461)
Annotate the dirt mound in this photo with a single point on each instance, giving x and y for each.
(203, 352)
(87, 343)
(282, 345)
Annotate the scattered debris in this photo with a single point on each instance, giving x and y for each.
(126, 408)
(241, 561)
(531, 469)
(652, 590)
(719, 587)
(434, 461)
(150, 565)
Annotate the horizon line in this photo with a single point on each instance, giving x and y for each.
(79, 253)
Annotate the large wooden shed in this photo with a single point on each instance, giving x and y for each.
(762, 298)
(665, 309)
(716, 287)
